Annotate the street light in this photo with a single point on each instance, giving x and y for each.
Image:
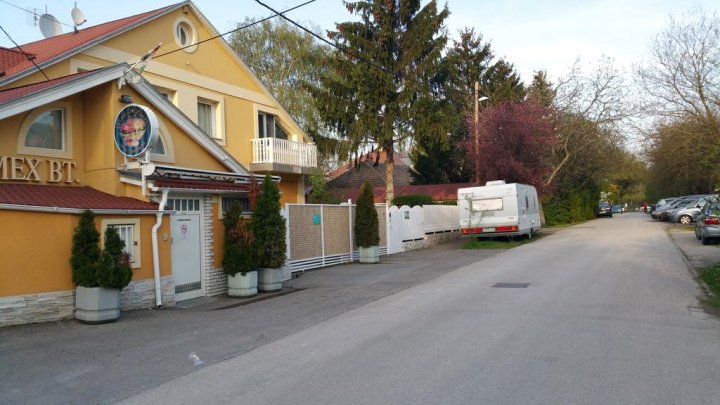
(477, 133)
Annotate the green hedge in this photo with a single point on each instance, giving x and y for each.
(412, 200)
(570, 207)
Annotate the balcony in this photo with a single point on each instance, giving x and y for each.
(283, 156)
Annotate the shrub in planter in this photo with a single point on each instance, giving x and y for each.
(366, 227)
(239, 256)
(99, 276)
(268, 227)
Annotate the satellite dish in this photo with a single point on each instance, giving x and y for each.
(78, 16)
(49, 26)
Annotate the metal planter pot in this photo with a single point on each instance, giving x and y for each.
(369, 254)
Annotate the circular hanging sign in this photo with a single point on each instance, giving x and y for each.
(136, 128)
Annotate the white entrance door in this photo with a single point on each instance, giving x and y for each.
(186, 262)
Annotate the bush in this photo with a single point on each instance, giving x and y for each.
(239, 255)
(570, 207)
(366, 227)
(268, 227)
(412, 200)
(114, 270)
(93, 268)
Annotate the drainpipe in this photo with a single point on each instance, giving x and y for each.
(156, 255)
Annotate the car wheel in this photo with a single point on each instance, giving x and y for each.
(705, 241)
(685, 219)
(697, 235)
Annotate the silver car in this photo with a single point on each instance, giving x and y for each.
(690, 212)
(707, 227)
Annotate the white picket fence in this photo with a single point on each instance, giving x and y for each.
(320, 235)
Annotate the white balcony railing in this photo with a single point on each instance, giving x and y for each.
(273, 150)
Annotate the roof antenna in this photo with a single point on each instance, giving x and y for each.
(78, 17)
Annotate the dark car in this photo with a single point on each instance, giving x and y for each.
(617, 209)
(604, 209)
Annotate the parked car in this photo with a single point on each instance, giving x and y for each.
(617, 209)
(604, 210)
(663, 214)
(707, 227)
(691, 212)
(664, 202)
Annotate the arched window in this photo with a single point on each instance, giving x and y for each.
(46, 131)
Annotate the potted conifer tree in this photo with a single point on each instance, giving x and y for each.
(366, 227)
(98, 275)
(268, 227)
(239, 257)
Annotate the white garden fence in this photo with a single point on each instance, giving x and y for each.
(320, 235)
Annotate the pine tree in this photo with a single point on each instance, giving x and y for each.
(366, 227)
(85, 251)
(268, 226)
(239, 255)
(382, 89)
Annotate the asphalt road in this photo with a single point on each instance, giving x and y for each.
(609, 317)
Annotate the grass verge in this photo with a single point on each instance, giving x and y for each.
(710, 276)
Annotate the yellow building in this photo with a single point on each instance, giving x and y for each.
(67, 125)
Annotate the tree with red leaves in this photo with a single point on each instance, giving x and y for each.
(516, 141)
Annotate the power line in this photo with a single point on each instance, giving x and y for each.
(277, 13)
(36, 14)
(25, 53)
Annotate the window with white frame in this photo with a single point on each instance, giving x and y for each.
(183, 204)
(46, 131)
(129, 231)
(126, 235)
(269, 127)
(206, 117)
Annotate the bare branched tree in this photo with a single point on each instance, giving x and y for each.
(681, 79)
(588, 108)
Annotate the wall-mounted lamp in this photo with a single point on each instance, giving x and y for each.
(125, 99)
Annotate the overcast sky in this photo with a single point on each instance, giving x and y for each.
(532, 35)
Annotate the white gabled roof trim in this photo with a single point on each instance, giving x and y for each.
(45, 96)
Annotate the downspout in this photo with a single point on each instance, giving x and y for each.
(156, 255)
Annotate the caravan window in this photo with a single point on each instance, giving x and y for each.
(493, 204)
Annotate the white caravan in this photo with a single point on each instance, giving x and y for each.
(499, 209)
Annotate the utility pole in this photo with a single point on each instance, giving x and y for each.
(477, 136)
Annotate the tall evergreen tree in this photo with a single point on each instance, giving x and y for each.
(384, 85)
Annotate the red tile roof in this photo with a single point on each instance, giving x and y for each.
(11, 57)
(438, 192)
(62, 46)
(22, 91)
(166, 182)
(68, 197)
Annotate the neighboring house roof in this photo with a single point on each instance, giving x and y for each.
(51, 50)
(18, 100)
(80, 198)
(438, 192)
(349, 176)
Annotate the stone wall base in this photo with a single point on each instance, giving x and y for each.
(58, 305)
(141, 294)
(429, 240)
(34, 308)
(215, 282)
